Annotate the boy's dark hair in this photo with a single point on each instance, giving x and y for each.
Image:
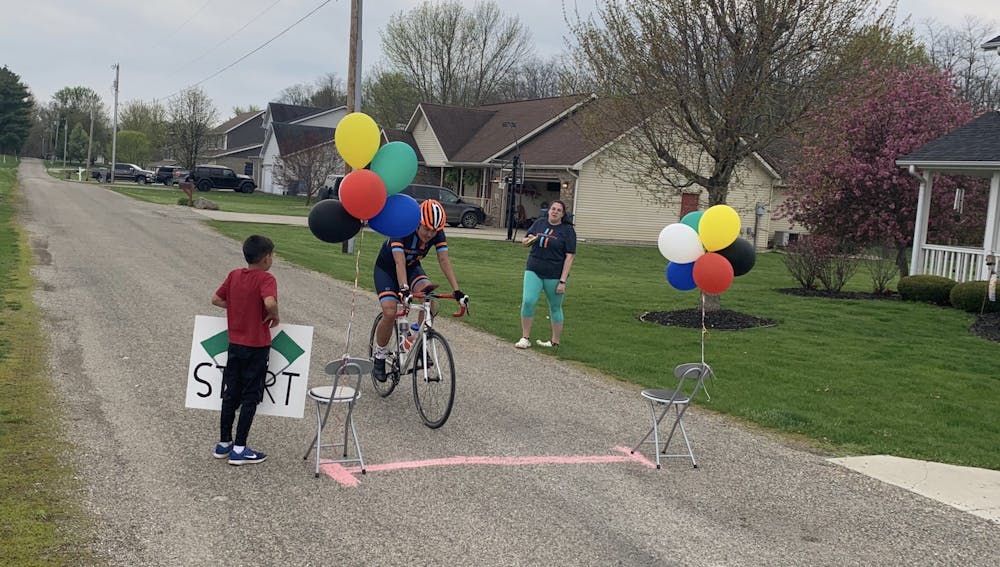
(255, 247)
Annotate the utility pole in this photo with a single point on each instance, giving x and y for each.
(353, 80)
(65, 140)
(90, 137)
(114, 130)
(513, 181)
(55, 138)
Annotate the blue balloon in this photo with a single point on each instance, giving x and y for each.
(400, 216)
(681, 276)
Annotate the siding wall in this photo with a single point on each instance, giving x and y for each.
(608, 208)
(430, 149)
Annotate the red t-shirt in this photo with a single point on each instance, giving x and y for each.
(244, 291)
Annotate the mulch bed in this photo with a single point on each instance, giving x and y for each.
(987, 326)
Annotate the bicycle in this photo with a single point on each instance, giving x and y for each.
(429, 360)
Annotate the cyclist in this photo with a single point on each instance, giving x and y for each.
(398, 272)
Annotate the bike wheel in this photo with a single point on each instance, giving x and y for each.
(391, 367)
(434, 380)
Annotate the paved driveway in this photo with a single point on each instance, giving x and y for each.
(120, 282)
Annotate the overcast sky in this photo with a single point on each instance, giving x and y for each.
(164, 46)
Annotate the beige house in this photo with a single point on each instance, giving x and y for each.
(471, 150)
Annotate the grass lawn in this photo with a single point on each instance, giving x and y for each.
(255, 203)
(852, 376)
(41, 522)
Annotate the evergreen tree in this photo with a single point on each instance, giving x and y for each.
(16, 107)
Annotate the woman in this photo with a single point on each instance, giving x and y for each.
(553, 247)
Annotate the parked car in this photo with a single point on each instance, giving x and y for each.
(208, 177)
(459, 212)
(133, 172)
(165, 174)
(99, 174)
(180, 175)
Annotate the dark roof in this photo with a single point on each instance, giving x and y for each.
(454, 126)
(235, 121)
(291, 112)
(975, 145)
(292, 138)
(572, 138)
(243, 151)
(992, 44)
(394, 135)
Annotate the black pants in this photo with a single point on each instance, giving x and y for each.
(243, 388)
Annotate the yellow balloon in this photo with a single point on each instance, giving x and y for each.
(357, 139)
(719, 227)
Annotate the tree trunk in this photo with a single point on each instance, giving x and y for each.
(712, 302)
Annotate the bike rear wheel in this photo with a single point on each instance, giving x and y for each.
(391, 364)
(434, 380)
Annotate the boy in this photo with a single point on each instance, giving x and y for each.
(250, 297)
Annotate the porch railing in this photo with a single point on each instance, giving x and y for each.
(959, 264)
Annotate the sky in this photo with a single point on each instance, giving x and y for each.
(164, 46)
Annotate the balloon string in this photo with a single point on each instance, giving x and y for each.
(354, 292)
(704, 333)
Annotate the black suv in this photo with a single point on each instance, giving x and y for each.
(459, 212)
(132, 171)
(165, 174)
(207, 177)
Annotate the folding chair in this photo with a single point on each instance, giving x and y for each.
(690, 380)
(348, 370)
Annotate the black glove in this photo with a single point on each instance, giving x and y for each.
(404, 294)
(460, 297)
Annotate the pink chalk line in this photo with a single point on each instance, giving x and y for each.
(346, 475)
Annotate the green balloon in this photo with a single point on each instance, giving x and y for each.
(396, 164)
(692, 219)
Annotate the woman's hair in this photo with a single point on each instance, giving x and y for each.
(565, 218)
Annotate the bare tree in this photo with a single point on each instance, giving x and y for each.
(192, 115)
(328, 91)
(452, 54)
(237, 110)
(306, 170)
(959, 51)
(538, 78)
(389, 98)
(707, 83)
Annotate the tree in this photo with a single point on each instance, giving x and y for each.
(73, 105)
(389, 98)
(452, 54)
(306, 170)
(714, 81)
(977, 72)
(16, 107)
(537, 78)
(133, 147)
(151, 120)
(327, 91)
(78, 144)
(237, 110)
(846, 183)
(191, 116)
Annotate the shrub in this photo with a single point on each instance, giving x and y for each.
(805, 259)
(880, 266)
(184, 201)
(926, 289)
(971, 297)
(837, 269)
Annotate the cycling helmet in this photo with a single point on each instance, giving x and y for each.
(432, 214)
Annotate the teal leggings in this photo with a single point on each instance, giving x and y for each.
(533, 285)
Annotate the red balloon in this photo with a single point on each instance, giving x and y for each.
(712, 273)
(362, 192)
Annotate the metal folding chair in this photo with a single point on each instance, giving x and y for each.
(346, 371)
(690, 380)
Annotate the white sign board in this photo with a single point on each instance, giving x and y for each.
(287, 374)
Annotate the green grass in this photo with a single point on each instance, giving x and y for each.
(852, 376)
(41, 521)
(255, 203)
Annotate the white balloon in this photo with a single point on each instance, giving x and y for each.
(679, 243)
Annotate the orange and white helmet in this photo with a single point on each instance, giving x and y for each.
(432, 214)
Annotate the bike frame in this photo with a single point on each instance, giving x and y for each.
(425, 306)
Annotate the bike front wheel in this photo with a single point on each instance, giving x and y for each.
(391, 367)
(434, 380)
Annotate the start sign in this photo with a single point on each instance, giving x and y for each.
(287, 375)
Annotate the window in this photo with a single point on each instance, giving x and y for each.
(446, 196)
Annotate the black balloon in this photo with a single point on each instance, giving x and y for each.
(741, 255)
(330, 222)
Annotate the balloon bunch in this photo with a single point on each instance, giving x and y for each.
(372, 194)
(705, 250)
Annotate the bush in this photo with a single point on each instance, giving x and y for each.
(880, 266)
(926, 289)
(971, 297)
(819, 258)
(184, 201)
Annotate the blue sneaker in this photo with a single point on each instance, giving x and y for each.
(247, 457)
(222, 450)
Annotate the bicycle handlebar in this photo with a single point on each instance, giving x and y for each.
(464, 304)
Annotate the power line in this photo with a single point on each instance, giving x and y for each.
(231, 36)
(174, 30)
(255, 50)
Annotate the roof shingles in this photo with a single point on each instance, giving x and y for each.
(976, 141)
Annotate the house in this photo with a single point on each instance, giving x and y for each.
(290, 128)
(972, 149)
(472, 151)
(236, 143)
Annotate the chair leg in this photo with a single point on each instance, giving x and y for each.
(679, 421)
(354, 432)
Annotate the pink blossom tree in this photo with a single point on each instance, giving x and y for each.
(846, 184)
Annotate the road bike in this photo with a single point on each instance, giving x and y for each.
(429, 360)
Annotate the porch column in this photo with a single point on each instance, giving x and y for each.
(920, 224)
(992, 219)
